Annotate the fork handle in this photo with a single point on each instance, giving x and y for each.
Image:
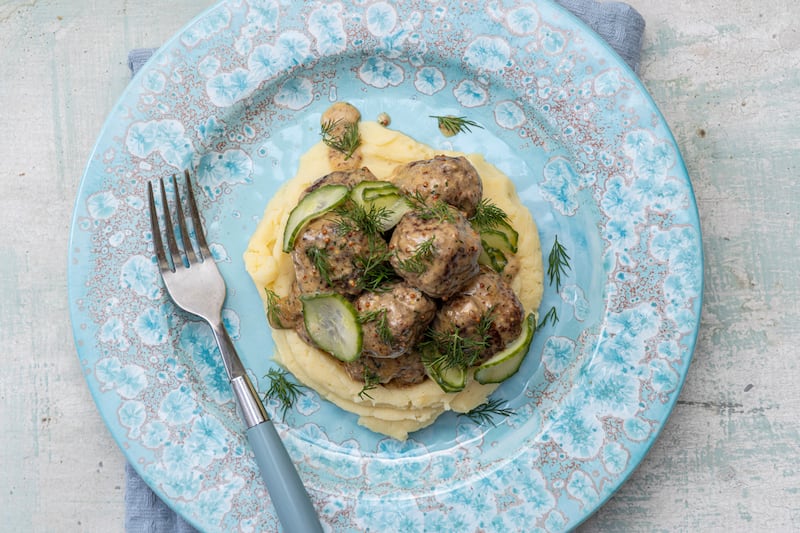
(289, 496)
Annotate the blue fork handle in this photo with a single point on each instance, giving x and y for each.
(286, 490)
(289, 496)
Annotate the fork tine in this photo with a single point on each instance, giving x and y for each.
(187, 242)
(157, 243)
(196, 222)
(177, 258)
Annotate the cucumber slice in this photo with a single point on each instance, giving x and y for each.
(498, 242)
(484, 259)
(371, 195)
(313, 205)
(394, 203)
(451, 379)
(332, 323)
(360, 190)
(398, 211)
(498, 239)
(510, 233)
(492, 257)
(506, 362)
(499, 260)
(378, 195)
(381, 199)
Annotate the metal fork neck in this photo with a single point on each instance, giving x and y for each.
(233, 365)
(251, 408)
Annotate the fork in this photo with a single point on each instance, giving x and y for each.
(195, 284)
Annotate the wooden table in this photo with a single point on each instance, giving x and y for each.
(726, 75)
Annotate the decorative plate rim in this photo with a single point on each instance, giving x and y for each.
(593, 46)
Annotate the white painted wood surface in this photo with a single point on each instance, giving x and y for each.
(726, 75)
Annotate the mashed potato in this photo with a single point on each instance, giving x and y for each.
(390, 411)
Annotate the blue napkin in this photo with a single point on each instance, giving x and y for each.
(617, 23)
(145, 512)
(620, 25)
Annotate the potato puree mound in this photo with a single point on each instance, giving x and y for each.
(391, 411)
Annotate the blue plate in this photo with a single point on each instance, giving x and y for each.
(237, 96)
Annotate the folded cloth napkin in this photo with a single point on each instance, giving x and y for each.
(145, 512)
(620, 25)
(138, 57)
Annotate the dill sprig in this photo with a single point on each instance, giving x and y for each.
(450, 350)
(420, 259)
(374, 266)
(381, 324)
(551, 316)
(319, 258)
(273, 308)
(353, 216)
(375, 271)
(487, 215)
(451, 125)
(558, 263)
(487, 411)
(438, 210)
(371, 382)
(346, 142)
(281, 389)
(434, 210)
(445, 350)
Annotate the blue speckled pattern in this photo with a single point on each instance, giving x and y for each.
(237, 96)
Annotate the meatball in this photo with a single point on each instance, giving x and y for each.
(336, 121)
(486, 302)
(339, 114)
(451, 179)
(436, 254)
(302, 332)
(397, 319)
(342, 177)
(407, 369)
(326, 257)
(286, 312)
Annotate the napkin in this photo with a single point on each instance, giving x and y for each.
(619, 24)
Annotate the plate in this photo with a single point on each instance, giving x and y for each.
(237, 96)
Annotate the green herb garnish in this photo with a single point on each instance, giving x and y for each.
(551, 316)
(346, 142)
(485, 412)
(420, 259)
(281, 389)
(374, 266)
(273, 308)
(450, 125)
(353, 216)
(487, 215)
(445, 350)
(376, 271)
(371, 381)
(319, 258)
(381, 324)
(434, 210)
(558, 263)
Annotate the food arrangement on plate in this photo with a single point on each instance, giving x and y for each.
(236, 97)
(400, 281)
